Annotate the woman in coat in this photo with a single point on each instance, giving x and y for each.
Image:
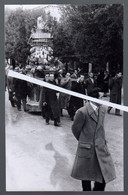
(93, 161)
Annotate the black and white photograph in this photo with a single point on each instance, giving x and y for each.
(64, 97)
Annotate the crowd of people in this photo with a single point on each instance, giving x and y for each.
(93, 161)
(51, 102)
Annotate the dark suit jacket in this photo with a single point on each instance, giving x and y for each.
(115, 85)
(91, 87)
(49, 96)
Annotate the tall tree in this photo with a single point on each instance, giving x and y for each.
(94, 31)
(18, 26)
(16, 45)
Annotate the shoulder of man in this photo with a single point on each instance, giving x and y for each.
(82, 109)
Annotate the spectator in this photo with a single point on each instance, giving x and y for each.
(100, 81)
(115, 86)
(106, 81)
(64, 98)
(59, 76)
(91, 85)
(79, 72)
(74, 74)
(75, 102)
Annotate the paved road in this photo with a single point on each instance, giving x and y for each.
(40, 157)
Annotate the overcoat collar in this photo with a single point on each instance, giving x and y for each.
(91, 112)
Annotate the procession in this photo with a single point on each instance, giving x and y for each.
(55, 140)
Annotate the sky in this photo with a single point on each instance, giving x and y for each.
(29, 6)
(54, 12)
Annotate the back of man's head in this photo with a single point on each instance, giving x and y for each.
(94, 94)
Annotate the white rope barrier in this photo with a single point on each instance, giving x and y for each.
(60, 89)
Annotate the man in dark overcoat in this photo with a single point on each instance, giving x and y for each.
(93, 161)
(21, 92)
(91, 84)
(75, 102)
(10, 86)
(115, 86)
(50, 102)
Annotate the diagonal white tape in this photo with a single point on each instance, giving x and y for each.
(60, 89)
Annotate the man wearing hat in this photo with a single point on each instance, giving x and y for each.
(93, 161)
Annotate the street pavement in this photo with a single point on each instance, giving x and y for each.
(39, 157)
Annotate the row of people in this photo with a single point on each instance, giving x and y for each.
(88, 86)
(52, 107)
(102, 79)
(19, 90)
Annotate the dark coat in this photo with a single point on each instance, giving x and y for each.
(93, 161)
(10, 83)
(49, 96)
(91, 87)
(11, 87)
(100, 81)
(115, 86)
(75, 102)
(105, 83)
(79, 88)
(21, 88)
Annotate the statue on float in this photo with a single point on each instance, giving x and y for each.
(42, 24)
